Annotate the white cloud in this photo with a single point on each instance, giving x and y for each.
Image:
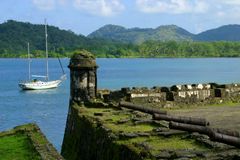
(230, 14)
(44, 4)
(100, 7)
(95, 7)
(172, 6)
(227, 10)
(200, 7)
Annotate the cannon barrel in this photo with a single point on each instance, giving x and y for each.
(212, 133)
(227, 132)
(141, 108)
(180, 119)
(190, 128)
(202, 129)
(226, 139)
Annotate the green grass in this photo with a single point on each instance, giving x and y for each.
(108, 114)
(157, 143)
(226, 103)
(17, 147)
(111, 117)
(129, 128)
(174, 143)
(206, 106)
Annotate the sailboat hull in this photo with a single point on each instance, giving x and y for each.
(39, 85)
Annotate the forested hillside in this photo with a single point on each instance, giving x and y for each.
(15, 35)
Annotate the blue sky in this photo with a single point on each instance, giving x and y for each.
(85, 16)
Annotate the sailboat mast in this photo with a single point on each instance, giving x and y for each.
(46, 36)
(29, 63)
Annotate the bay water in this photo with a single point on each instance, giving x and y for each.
(48, 108)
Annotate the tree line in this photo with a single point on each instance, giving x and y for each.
(149, 49)
(174, 49)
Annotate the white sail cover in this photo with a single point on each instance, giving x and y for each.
(38, 76)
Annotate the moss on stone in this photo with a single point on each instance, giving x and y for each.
(82, 59)
(83, 54)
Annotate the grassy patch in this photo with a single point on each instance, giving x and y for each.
(190, 107)
(129, 127)
(156, 143)
(112, 117)
(17, 147)
(174, 143)
(227, 103)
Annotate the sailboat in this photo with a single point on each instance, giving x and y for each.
(35, 84)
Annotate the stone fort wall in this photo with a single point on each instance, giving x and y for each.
(176, 95)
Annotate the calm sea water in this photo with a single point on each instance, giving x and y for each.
(49, 108)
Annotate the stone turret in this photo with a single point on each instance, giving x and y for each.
(83, 76)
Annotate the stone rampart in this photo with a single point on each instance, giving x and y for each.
(176, 95)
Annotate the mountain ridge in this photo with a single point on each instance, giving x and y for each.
(230, 32)
(139, 35)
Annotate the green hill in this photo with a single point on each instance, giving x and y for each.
(139, 35)
(15, 35)
(223, 33)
